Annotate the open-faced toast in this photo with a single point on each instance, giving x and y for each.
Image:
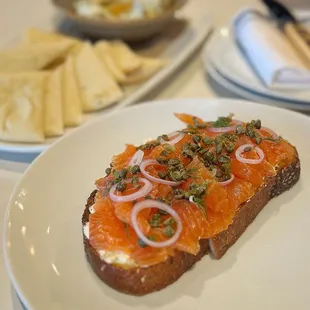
(227, 172)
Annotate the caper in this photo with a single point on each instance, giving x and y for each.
(196, 138)
(168, 231)
(162, 175)
(240, 130)
(134, 169)
(219, 148)
(224, 159)
(121, 186)
(108, 171)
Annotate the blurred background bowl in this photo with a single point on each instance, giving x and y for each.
(127, 30)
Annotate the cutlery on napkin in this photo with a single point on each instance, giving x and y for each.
(269, 51)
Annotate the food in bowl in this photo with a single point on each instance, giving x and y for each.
(122, 9)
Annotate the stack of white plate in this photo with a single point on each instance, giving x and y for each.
(226, 64)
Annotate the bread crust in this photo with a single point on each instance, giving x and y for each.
(141, 281)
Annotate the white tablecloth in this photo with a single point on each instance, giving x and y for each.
(191, 81)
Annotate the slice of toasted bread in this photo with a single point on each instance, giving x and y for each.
(141, 281)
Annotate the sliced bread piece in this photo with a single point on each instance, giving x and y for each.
(104, 53)
(124, 57)
(21, 107)
(98, 87)
(32, 57)
(72, 104)
(53, 119)
(148, 68)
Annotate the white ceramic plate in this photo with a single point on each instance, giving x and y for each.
(177, 51)
(268, 268)
(244, 92)
(227, 58)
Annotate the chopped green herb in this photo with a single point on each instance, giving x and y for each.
(173, 162)
(229, 147)
(162, 175)
(135, 181)
(224, 159)
(168, 231)
(149, 145)
(200, 204)
(226, 168)
(179, 193)
(121, 186)
(162, 161)
(170, 221)
(134, 169)
(197, 189)
(207, 141)
(257, 123)
(196, 138)
(197, 124)
(222, 121)
(141, 243)
(240, 130)
(219, 148)
(169, 148)
(175, 176)
(155, 220)
(164, 137)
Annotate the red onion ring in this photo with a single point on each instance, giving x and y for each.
(271, 132)
(148, 204)
(226, 129)
(137, 158)
(149, 162)
(228, 181)
(178, 137)
(259, 151)
(134, 196)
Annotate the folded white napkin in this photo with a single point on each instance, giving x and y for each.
(269, 52)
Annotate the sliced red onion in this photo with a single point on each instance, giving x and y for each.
(272, 133)
(228, 181)
(142, 192)
(178, 136)
(191, 199)
(241, 149)
(149, 204)
(226, 129)
(149, 162)
(92, 209)
(137, 158)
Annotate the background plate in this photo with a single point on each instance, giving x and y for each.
(177, 44)
(227, 58)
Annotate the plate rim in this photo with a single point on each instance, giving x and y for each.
(7, 257)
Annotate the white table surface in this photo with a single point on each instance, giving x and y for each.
(190, 81)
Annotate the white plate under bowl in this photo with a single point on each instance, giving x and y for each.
(176, 47)
(268, 268)
(228, 59)
(245, 93)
